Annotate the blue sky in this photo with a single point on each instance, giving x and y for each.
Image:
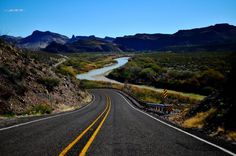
(112, 17)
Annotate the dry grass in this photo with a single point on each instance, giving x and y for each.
(68, 70)
(198, 120)
(231, 135)
(219, 131)
(146, 95)
(178, 117)
(188, 95)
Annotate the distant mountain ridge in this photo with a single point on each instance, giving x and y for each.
(54, 42)
(85, 44)
(216, 37)
(11, 39)
(39, 39)
(218, 34)
(92, 37)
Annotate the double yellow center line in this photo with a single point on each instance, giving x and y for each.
(91, 139)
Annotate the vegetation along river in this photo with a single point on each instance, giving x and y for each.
(100, 75)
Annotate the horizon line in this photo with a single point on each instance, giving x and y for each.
(70, 36)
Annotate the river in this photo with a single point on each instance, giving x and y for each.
(99, 74)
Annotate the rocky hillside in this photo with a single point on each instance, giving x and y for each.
(29, 85)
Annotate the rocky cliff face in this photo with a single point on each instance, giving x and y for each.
(27, 81)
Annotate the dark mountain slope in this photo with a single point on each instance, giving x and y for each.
(88, 44)
(220, 37)
(201, 38)
(11, 39)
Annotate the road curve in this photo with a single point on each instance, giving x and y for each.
(108, 126)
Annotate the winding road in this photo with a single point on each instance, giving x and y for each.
(110, 125)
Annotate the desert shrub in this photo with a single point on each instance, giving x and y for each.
(49, 82)
(5, 71)
(211, 77)
(6, 92)
(33, 71)
(40, 109)
(147, 73)
(43, 57)
(15, 78)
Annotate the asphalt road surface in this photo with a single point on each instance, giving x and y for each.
(110, 125)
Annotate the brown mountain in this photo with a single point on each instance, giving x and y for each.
(39, 39)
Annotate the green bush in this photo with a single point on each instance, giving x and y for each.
(40, 109)
(211, 77)
(67, 70)
(187, 72)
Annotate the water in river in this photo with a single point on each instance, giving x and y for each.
(99, 74)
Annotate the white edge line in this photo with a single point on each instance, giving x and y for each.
(178, 129)
(50, 117)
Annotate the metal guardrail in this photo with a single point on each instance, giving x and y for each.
(165, 108)
(160, 109)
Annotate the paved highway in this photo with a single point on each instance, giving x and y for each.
(110, 125)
